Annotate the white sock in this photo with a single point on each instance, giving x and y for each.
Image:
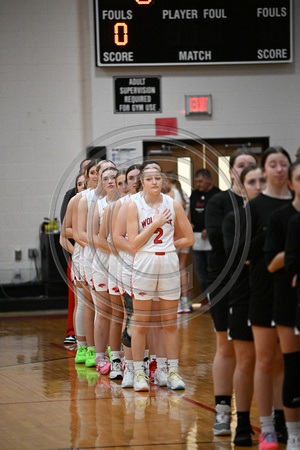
(81, 344)
(152, 358)
(129, 363)
(173, 364)
(115, 355)
(138, 365)
(161, 362)
(146, 354)
(100, 355)
(184, 300)
(267, 424)
(91, 347)
(293, 429)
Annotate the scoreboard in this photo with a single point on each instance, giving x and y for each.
(192, 32)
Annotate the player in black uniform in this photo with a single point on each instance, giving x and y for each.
(284, 306)
(236, 229)
(292, 261)
(269, 363)
(218, 276)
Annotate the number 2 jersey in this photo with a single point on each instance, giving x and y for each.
(163, 238)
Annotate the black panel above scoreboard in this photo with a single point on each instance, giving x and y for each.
(192, 32)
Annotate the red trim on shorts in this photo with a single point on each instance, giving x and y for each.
(160, 253)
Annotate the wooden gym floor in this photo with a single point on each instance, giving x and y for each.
(48, 403)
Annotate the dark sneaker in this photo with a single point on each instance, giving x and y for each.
(243, 436)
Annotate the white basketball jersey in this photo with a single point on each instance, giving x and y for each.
(132, 197)
(76, 251)
(85, 192)
(89, 196)
(102, 204)
(163, 238)
(123, 199)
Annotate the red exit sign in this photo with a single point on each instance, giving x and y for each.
(198, 104)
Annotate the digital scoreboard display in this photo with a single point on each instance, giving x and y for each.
(192, 32)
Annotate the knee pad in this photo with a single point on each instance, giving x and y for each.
(291, 385)
(79, 313)
(126, 335)
(128, 303)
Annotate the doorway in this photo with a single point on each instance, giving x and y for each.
(186, 157)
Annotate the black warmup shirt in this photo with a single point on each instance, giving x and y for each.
(198, 204)
(292, 258)
(235, 227)
(275, 242)
(261, 281)
(292, 247)
(217, 209)
(68, 195)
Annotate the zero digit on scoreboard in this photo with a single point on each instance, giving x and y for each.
(121, 33)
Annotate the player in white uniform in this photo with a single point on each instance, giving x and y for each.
(151, 221)
(155, 339)
(108, 320)
(121, 183)
(125, 259)
(85, 210)
(91, 177)
(117, 314)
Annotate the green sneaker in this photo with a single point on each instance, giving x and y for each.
(80, 355)
(90, 357)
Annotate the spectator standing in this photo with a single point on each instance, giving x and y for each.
(201, 248)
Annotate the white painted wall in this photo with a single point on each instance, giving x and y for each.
(43, 116)
(54, 102)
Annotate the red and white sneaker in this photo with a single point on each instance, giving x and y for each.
(103, 365)
(152, 369)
